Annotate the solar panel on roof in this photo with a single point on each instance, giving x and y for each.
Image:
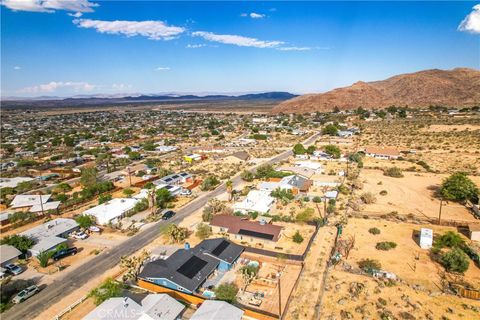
(183, 174)
(256, 234)
(220, 248)
(193, 265)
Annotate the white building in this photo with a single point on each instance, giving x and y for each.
(426, 238)
(256, 200)
(50, 234)
(215, 310)
(111, 211)
(153, 307)
(13, 182)
(165, 149)
(28, 200)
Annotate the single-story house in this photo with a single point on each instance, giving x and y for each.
(215, 310)
(165, 149)
(192, 157)
(344, 133)
(382, 152)
(8, 254)
(256, 200)
(53, 205)
(239, 156)
(295, 183)
(332, 194)
(176, 178)
(50, 234)
(187, 269)
(245, 230)
(474, 231)
(111, 211)
(13, 182)
(28, 200)
(315, 166)
(301, 171)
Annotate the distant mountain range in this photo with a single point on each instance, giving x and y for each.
(454, 88)
(141, 98)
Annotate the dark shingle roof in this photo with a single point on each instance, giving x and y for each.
(171, 267)
(220, 248)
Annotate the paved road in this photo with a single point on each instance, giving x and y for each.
(108, 259)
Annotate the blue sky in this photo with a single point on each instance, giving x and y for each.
(58, 48)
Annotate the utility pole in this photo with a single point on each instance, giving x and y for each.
(440, 211)
(279, 297)
(129, 175)
(41, 203)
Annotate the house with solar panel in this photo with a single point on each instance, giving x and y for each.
(189, 269)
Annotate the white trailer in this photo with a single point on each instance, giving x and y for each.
(426, 238)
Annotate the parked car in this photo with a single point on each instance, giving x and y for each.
(13, 269)
(186, 192)
(168, 214)
(64, 253)
(79, 235)
(94, 229)
(25, 294)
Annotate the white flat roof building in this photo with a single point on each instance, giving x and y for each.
(116, 309)
(13, 182)
(28, 200)
(45, 206)
(256, 200)
(111, 211)
(50, 234)
(214, 310)
(426, 238)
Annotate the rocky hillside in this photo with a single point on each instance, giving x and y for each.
(457, 87)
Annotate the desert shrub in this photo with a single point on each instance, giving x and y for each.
(368, 198)
(383, 192)
(455, 260)
(330, 129)
(305, 216)
(247, 176)
(297, 237)
(203, 231)
(386, 245)
(109, 289)
(210, 183)
(394, 172)
(374, 231)
(226, 292)
(449, 239)
(369, 264)
(343, 189)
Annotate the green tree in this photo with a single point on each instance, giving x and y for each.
(162, 198)
(226, 292)
(85, 221)
(330, 129)
(311, 149)
(88, 177)
(134, 155)
(203, 231)
(394, 172)
(22, 243)
(209, 183)
(104, 198)
(299, 149)
(458, 187)
(128, 192)
(455, 260)
(449, 239)
(332, 150)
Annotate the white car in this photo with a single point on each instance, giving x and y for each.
(79, 235)
(94, 229)
(186, 192)
(25, 294)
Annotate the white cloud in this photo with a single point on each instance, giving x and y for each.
(471, 23)
(153, 30)
(55, 85)
(236, 40)
(17, 68)
(253, 15)
(162, 68)
(50, 5)
(195, 46)
(294, 48)
(76, 14)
